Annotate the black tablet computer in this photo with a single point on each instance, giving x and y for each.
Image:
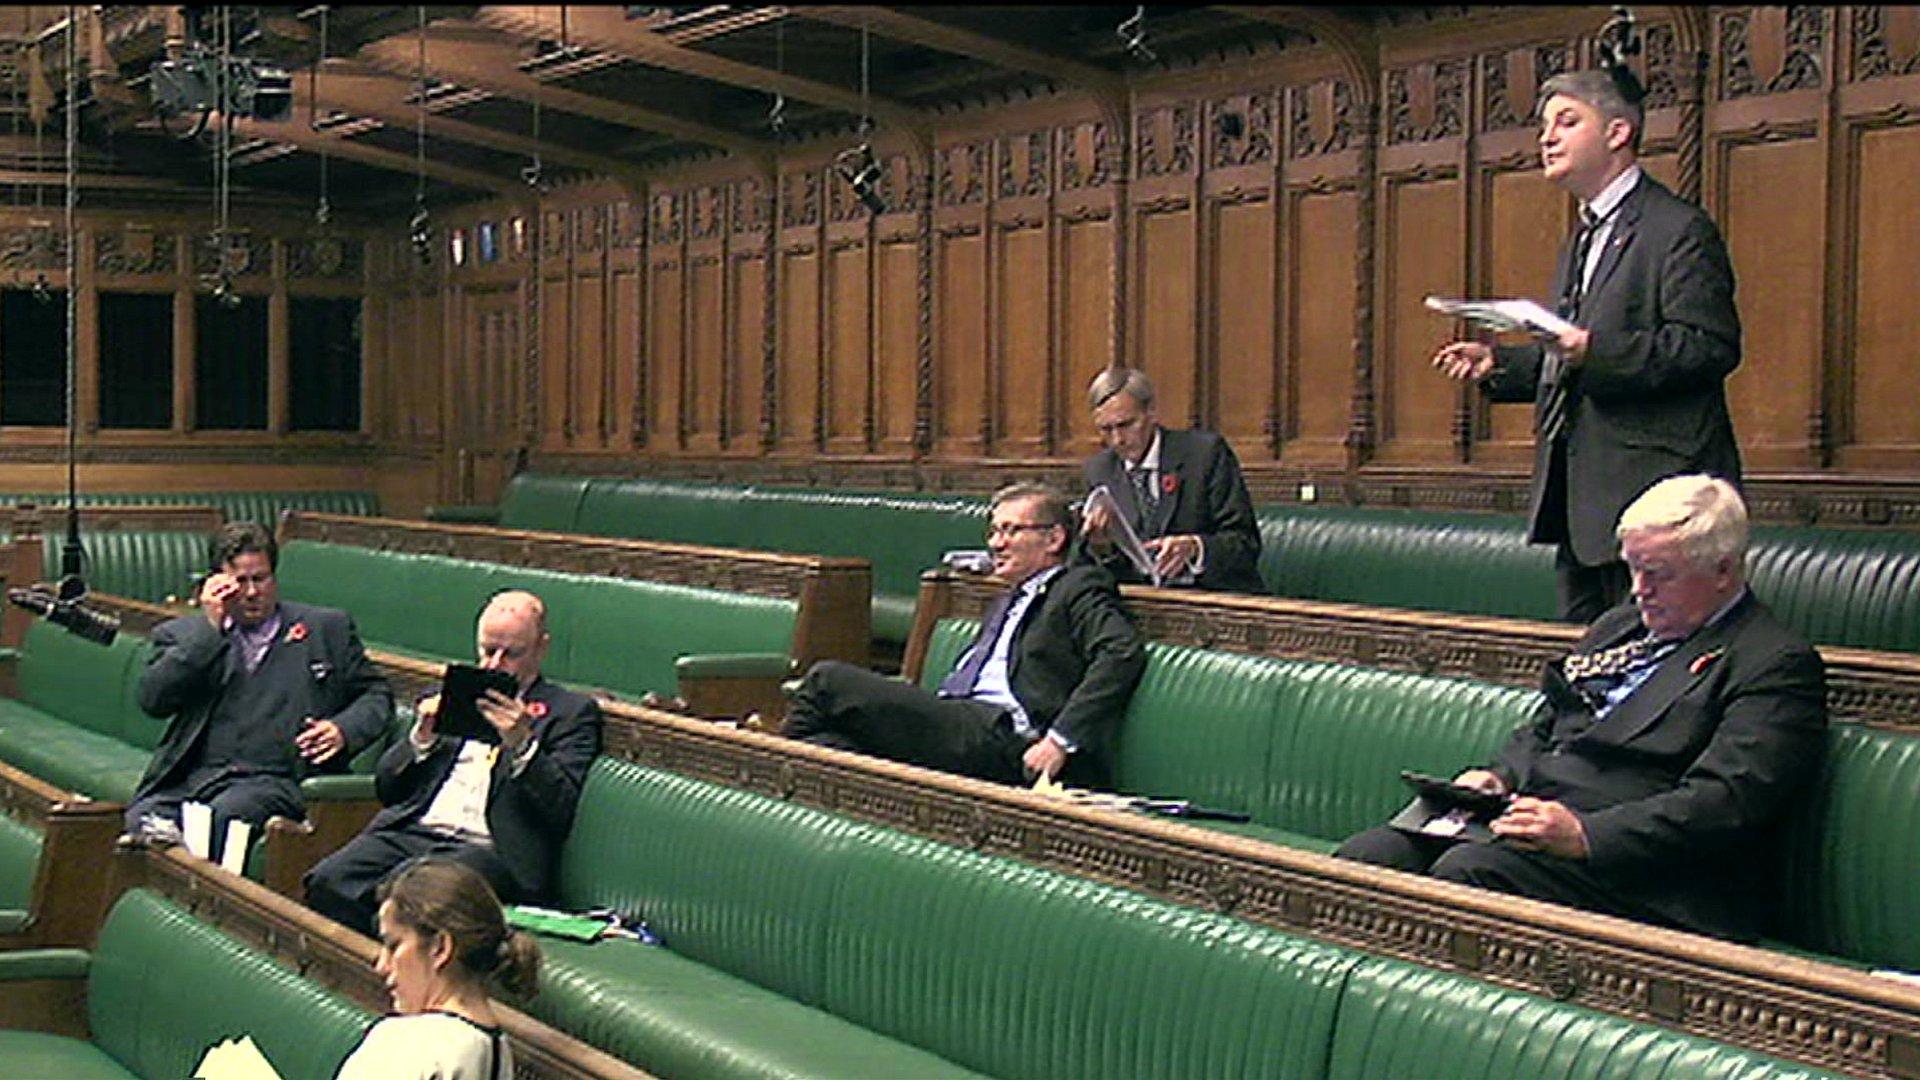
(460, 691)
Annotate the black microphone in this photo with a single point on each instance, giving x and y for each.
(61, 606)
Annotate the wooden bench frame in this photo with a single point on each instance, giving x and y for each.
(295, 938)
(833, 595)
(70, 886)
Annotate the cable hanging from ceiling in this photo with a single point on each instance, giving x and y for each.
(419, 229)
(220, 280)
(777, 114)
(857, 164)
(323, 209)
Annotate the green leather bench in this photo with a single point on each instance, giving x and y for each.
(137, 1021)
(900, 535)
(261, 506)
(872, 953)
(20, 847)
(623, 635)
(1312, 752)
(1853, 587)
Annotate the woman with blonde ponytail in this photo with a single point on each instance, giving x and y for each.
(443, 945)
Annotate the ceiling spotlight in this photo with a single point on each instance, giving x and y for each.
(861, 170)
(420, 235)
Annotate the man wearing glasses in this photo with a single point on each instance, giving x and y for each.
(1039, 691)
(256, 694)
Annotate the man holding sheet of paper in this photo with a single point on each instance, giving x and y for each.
(1630, 388)
(1179, 493)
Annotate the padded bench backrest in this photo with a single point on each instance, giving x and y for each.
(546, 503)
(86, 684)
(150, 951)
(1399, 1019)
(1003, 968)
(1855, 587)
(613, 633)
(20, 846)
(143, 565)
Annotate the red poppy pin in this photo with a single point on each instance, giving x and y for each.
(536, 709)
(1169, 483)
(296, 633)
(1703, 661)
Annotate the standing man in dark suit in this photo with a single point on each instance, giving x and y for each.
(1040, 690)
(504, 810)
(1181, 490)
(1671, 744)
(1634, 391)
(256, 692)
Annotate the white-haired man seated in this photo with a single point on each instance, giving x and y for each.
(1672, 742)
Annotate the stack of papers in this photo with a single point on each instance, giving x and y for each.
(1502, 316)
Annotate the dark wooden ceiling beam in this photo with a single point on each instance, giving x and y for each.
(1353, 42)
(899, 25)
(608, 29)
(484, 59)
(298, 133)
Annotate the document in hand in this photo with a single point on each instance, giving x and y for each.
(1502, 315)
(235, 1059)
(1121, 530)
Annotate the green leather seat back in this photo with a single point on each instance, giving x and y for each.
(1853, 852)
(20, 846)
(549, 503)
(1013, 970)
(153, 566)
(83, 683)
(709, 514)
(1402, 1020)
(1201, 725)
(1841, 586)
(1343, 734)
(950, 638)
(625, 635)
(150, 950)
(422, 603)
(731, 879)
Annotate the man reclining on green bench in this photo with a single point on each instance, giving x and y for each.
(1039, 691)
(503, 808)
(257, 694)
(1654, 778)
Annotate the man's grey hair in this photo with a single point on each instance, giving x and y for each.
(1113, 380)
(1595, 89)
(1706, 512)
(1050, 503)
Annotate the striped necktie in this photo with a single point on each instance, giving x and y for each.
(1553, 409)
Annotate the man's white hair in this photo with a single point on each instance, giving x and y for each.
(1706, 512)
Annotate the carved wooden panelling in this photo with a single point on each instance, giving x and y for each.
(1886, 40)
(750, 205)
(1322, 118)
(1085, 155)
(1241, 323)
(664, 357)
(962, 173)
(665, 225)
(320, 257)
(800, 198)
(1023, 358)
(896, 359)
(556, 228)
(1240, 130)
(799, 333)
(1319, 333)
(1166, 139)
(627, 225)
(140, 251)
(247, 253)
(1885, 297)
(748, 287)
(1771, 50)
(1662, 69)
(590, 229)
(902, 183)
(1511, 80)
(848, 344)
(1424, 249)
(1779, 267)
(842, 204)
(706, 212)
(1169, 322)
(960, 358)
(1086, 324)
(1427, 101)
(706, 348)
(1022, 164)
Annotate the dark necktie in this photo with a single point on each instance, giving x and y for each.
(1596, 674)
(1142, 478)
(1553, 410)
(960, 681)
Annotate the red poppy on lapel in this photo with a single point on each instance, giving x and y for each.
(536, 709)
(1703, 661)
(296, 633)
(1169, 483)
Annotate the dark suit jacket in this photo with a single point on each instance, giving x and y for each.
(1075, 660)
(1648, 400)
(1209, 499)
(325, 674)
(529, 815)
(1683, 786)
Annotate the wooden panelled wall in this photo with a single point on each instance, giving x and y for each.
(1257, 236)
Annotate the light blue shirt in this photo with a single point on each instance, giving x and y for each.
(1637, 677)
(995, 686)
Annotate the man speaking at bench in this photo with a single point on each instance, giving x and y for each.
(503, 808)
(1040, 690)
(1182, 492)
(258, 693)
(1673, 741)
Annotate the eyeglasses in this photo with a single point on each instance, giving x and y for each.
(1010, 529)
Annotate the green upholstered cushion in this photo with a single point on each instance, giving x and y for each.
(20, 846)
(1201, 726)
(146, 565)
(1853, 852)
(81, 682)
(33, 1053)
(150, 949)
(68, 756)
(549, 503)
(1400, 1020)
(1855, 587)
(997, 966)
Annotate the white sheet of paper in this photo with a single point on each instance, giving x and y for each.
(1502, 315)
(233, 850)
(196, 828)
(235, 1059)
(1129, 541)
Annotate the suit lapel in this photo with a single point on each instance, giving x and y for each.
(1626, 225)
(1172, 471)
(1676, 674)
(1120, 486)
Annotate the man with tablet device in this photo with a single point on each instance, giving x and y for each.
(489, 776)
